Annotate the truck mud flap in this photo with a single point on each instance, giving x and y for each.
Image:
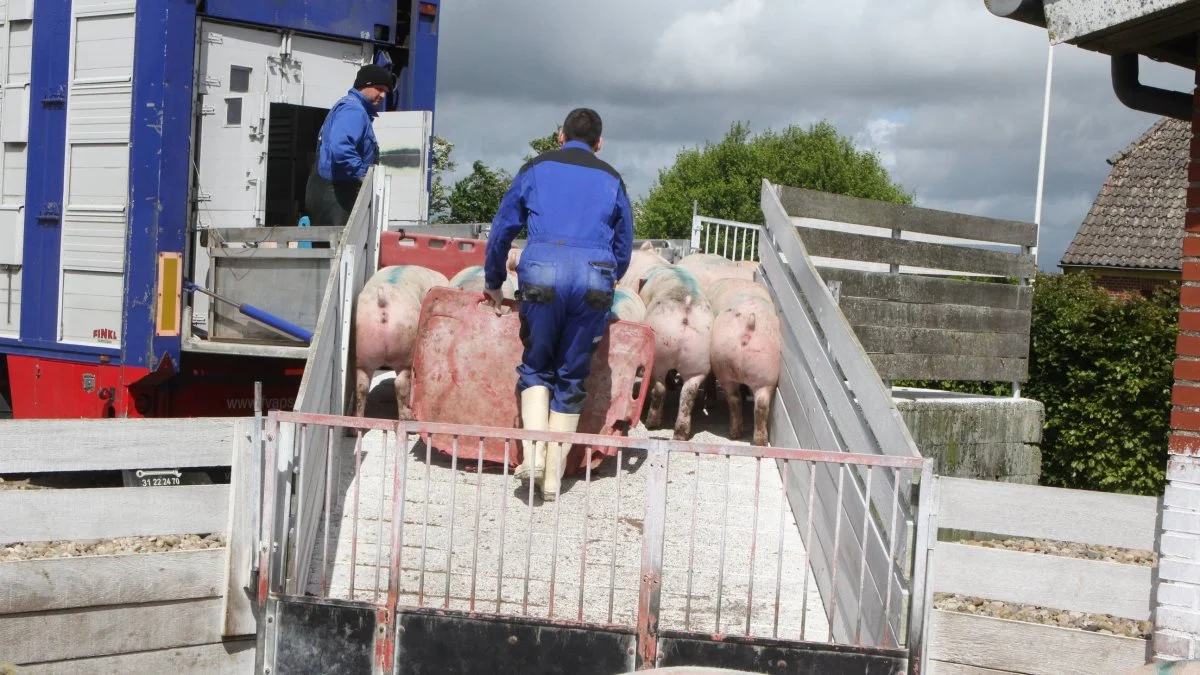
(429, 643)
(448, 255)
(778, 657)
(464, 372)
(323, 636)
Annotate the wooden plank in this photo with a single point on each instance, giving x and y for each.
(1058, 582)
(30, 446)
(913, 288)
(869, 248)
(932, 366)
(805, 203)
(1035, 649)
(104, 631)
(86, 581)
(1061, 514)
(234, 656)
(901, 340)
(244, 500)
(879, 409)
(872, 312)
(105, 513)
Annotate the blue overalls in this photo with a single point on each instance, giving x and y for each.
(346, 148)
(580, 239)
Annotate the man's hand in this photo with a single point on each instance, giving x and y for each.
(496, 298)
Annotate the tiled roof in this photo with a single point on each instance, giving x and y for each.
(1137, 219)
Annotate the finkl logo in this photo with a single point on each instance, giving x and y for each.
(104, 334)
(282, 403)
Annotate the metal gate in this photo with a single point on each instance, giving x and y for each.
(671, 553)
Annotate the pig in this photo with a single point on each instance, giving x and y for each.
(514, 257)
(471, 279)
(710, 268)
(641, 262)
(628, 306)
(385, 328)
(681, 317)
(745, 349)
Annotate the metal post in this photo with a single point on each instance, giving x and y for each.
(653, 534)
(921, 599)
(696, 227)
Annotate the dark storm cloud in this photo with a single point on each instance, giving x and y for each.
(949, 95)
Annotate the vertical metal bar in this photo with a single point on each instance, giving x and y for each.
(399, 498)
(612, 573)
(739, 238)
(925, 537)
(268, 549)
(328, 515)
(837, 533)
(725, 241)
(587, 484)
(450, 543)
(783, 501)
(687, 607)
(300, 482)
(754, 243)
(478, 507)
(379, 523)
(894, 536)
(653, 533)
(562, 458)
(529, 534)
(753, 542)
(503, 523)
(256, 464)
(808, 545)
(425, 523)
(357, 485)
(862, 570)
(724, 527)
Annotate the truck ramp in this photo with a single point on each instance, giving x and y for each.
(733, 559)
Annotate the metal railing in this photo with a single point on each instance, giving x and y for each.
(727, 238)
(662, 536)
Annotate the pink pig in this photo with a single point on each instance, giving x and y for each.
(385, 328)
(745, 349)
(681, 317)
(710, 268)
(642, 261)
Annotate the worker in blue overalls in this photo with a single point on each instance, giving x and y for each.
(580, 239)
(346, 148)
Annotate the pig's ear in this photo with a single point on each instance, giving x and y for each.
(647, 246)
(641, 285)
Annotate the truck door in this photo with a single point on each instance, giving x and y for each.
(16, 56)
(243, 71)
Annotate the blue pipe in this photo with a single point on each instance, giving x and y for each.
(258, 314)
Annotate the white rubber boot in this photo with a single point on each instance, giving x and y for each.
(535, 411)
(556, 455)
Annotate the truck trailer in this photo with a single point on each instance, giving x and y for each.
(152, 147)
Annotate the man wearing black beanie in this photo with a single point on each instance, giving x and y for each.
(346, 147)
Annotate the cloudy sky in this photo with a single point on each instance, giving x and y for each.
(948, 94)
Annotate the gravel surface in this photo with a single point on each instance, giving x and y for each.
(1098, 623)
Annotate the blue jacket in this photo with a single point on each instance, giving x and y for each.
(566, 196)
(346, 146)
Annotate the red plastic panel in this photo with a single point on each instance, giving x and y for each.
(448, 255)
(464, 372)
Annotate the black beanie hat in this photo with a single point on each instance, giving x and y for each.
(373, 75)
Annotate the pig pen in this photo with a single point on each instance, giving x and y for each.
(503, 555)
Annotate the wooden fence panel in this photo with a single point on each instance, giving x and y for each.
(869, 248)
(106, 513)
(45, 584)
(920, 290)
(1018, 647)
(233, 657)
(32, 446)
(875, 213)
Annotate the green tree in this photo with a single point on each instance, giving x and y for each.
(476, 197)
(439, 194)
(725, 178)
(544, 144)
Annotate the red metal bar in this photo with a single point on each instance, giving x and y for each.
(654, 527)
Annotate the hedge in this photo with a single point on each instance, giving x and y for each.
(1103, 368)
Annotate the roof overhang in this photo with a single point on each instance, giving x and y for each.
(1163, 30)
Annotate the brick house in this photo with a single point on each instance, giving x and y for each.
(1131, 240)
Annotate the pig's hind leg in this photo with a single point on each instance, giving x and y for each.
(688, 396)
(762, 414)
(403, 386)
(361, 389)
(733, 396)
(654, 408)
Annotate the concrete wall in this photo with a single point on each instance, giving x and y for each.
(982, 437)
